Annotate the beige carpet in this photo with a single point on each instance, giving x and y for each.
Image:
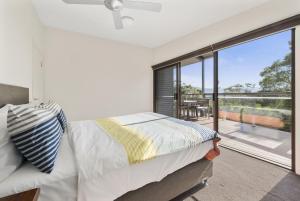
(241, 178)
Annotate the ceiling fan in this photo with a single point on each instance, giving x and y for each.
(117, 5)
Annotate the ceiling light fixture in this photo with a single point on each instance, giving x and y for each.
(117, 5)
(114, 5)
(128, 21)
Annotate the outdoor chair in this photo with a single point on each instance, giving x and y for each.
(203, 107)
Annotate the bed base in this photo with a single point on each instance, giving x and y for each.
(176, 186)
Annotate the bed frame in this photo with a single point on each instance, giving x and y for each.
(13, 95)
(175, 187)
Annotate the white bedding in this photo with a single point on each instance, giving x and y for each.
(104, 172)
(120, 181)
(61, 184)
(104, 179)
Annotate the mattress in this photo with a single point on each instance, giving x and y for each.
(61, 184)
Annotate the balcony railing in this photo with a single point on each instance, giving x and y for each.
(269, 109)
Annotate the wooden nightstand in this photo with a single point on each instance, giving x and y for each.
(31, 195)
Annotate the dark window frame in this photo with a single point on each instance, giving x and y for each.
(279, 26)
(286, 24)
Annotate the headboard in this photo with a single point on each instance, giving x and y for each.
(13, 95)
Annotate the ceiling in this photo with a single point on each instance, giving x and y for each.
(177, 18)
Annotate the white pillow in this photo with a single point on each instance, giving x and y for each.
(10, 158)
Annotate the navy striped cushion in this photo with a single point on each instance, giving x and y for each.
(57, 110)
(36, 133)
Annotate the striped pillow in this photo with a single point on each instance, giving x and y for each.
(36, 133)
(57, 110)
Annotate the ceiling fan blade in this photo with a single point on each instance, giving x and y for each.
(117, 19)
(141, 5)
(90, 2)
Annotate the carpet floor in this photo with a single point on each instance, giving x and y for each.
(237, 177)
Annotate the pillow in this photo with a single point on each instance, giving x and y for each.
(10, 158)
(57, 110)
(36, 133)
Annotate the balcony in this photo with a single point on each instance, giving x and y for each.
(257, 124)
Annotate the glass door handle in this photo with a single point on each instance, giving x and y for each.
(176, 96)
(214, 96)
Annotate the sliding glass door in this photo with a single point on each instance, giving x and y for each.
(196, 90)
(190, 88)
(166, 91)
(208, 92)
(255, 97)
(245, 92)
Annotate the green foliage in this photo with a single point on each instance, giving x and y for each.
(240, 88)
(274, 78)
(284, 115)
(189, 89)
(277, 113)
(277, 77)
(237, 88)
(241, 114)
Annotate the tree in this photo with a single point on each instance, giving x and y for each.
(249, 87)
(239, 88)
(189, 89)
(277, 77)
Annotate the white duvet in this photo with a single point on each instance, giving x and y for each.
(96, 152)
(98, 155)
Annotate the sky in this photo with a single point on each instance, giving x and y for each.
(240, 64)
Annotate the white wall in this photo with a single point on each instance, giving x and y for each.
(297, 95)
(20, 32)
(93, 78)
(263, 15)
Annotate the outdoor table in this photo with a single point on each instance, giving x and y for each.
(189, 103)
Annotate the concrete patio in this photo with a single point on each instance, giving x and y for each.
(268, 144)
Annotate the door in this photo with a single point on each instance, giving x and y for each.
(196, 90)
(166, 90)
(255, 97)
(37, 75)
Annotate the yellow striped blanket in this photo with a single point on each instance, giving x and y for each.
(148, 135)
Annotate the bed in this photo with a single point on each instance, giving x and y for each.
(167, 177)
